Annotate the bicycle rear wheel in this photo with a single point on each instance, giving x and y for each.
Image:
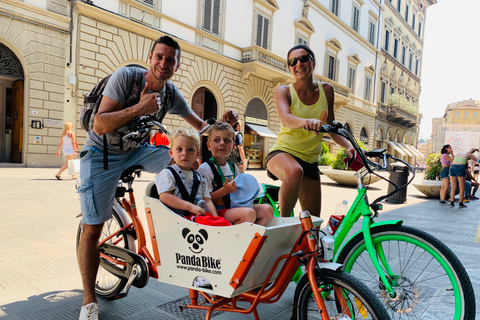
(345, 298)
(107, 284)
(429, 280)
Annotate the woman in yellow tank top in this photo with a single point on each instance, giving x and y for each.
(302, 107)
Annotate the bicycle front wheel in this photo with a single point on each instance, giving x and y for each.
(429, 280)
(345, 298)
(107, 284)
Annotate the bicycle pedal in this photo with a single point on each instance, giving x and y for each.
(116, 297)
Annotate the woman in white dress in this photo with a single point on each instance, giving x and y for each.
(70, 146)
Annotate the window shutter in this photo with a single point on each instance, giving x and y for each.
(265, 33)
(207, 15)
(216, 17)
(259, 30)
(148, 2)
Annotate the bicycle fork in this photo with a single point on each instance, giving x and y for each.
(375, 252)
(312, 240)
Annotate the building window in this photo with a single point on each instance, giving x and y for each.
(364, 136)
(351, 78)
(331, 67)
(404, 54)
(399, 5)
(383, 92)
(420, 28)
(356, 18)
(334, 4)
(371, 32)
(263, 24)
(368, 88)
(465, 113)
(387, 40)
(457, 113)
(392, 90)
(475, 113)
(147, 2)
(413, 21)
(395, 48)
(417, 65)
(301, 40)
(406, 11)
(410, 62)
(211, 16)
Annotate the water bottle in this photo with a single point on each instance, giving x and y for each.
(337, 218)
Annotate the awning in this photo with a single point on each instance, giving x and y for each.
(406, 150)
(397, 148)
(415, 150)
(262, 130)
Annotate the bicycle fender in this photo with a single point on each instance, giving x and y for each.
(330, 266)
(373, 226)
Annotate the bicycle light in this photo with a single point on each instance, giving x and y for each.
(328, 245)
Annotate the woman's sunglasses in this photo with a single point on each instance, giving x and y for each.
(293, 62)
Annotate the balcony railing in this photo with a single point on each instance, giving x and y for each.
(398, 115)
(255, 53)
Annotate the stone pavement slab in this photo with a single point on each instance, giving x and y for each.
(39, 277)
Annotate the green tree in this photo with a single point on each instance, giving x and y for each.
(434, 166)
(326, 157)
(338, 162)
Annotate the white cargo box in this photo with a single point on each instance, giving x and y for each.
(234, 259)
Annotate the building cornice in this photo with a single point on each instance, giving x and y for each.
(29, 13)
(397, 63)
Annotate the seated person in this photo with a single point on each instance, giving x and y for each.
(180, 187)
(472, 185)
(220, 172)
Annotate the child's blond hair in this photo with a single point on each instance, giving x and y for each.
(184, 132)
(221, 126)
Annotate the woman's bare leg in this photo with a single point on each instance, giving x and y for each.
(310, 196)
(286, 168)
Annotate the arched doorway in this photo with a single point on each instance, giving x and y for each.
(205, 106)
(256, 132)
(11, 106)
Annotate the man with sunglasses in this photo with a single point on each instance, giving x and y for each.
(302, 107)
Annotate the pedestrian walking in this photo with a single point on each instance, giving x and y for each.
(70, 146)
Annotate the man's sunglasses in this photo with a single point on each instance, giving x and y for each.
(293, 62)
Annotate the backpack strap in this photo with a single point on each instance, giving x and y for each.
(181, 187)
(133, 98)
(220, 178)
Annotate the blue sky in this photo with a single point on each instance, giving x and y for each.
(451, 58)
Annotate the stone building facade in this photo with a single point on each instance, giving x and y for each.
(34, 53)
(459, 127)
(65, 48)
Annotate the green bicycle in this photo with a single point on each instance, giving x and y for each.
(412, 272)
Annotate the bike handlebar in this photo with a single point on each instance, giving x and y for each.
(140, 124)
(337, 128)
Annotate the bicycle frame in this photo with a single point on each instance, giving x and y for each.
(359, 208)
(305, 250)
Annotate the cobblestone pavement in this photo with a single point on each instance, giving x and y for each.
(39, 277)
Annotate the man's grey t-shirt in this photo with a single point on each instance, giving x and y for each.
(118, 87)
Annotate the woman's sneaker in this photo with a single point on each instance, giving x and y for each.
(89, 312)
(443, 202)
(452, 204)
(461, 205)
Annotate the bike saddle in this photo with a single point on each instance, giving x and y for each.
(127, 174)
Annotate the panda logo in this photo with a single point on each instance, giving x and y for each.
(195, 240)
